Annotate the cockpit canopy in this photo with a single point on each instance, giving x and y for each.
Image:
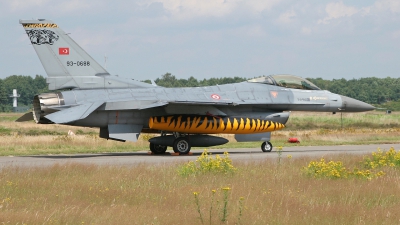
(288, 81)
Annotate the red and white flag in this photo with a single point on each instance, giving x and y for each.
(63, 51)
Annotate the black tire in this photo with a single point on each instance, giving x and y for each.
(266, 146)
(181, 145)
(158, 149)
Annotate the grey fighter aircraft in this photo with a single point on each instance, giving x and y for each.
(184, 117)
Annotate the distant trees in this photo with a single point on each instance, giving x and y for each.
(371, 89)
(169, 80)
(26, 86)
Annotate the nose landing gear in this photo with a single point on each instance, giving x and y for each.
(158, 149)
(266, 146)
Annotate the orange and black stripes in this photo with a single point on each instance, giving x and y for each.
(40, 25)
(212, 125)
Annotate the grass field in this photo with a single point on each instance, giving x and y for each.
(265, 192)
(29, 138)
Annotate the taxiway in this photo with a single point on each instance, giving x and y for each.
(135, 158)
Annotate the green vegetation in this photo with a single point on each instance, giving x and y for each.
(391, 105)
(260, 192)
(336, 170)
(169, 80)
(26, 86)
(207, 164)
(348, 121)
(383, 158)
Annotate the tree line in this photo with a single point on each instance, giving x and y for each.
(169, 80)
(372, 90)
(26, 86)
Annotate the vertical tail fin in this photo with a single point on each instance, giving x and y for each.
(66, 63)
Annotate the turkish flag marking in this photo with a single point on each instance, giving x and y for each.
(215, 96)
(63, 51)
(274, 94)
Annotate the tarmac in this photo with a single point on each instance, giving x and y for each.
(143, 157)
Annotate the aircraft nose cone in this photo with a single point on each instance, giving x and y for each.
(353, 105)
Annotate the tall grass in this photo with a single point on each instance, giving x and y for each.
(261, 192)
(318, 120)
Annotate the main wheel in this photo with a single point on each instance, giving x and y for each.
(181, 145)
(266, 146)
(157, 149)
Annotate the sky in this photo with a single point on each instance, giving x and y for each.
(144, 39)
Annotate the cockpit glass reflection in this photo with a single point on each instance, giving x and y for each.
(287, 81)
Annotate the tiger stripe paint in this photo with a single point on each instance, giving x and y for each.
(40, 25)
(212, 125)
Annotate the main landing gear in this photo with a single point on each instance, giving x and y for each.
(179, 142)
(181, 145)
(266, 146)
(158, 149)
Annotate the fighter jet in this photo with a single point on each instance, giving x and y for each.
(89, 96)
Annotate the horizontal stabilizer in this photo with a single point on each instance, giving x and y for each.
(74, 113)
(26, 117)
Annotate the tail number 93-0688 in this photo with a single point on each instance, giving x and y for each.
(78, 63)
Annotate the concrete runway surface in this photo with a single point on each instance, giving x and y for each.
(135, 158)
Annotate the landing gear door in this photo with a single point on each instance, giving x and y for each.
(127, 132)
(253, 137)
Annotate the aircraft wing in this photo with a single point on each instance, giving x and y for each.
(190, 105)
(206, 102)
(133, 104)
(74, 113)
(146, 104)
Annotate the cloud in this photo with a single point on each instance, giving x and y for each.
(261, 5)
(196, 8)
(336, 10)
(23, 4)
(388, 5)
(73, 5)
(287, 17)
(395, 34)
(306, 30)
(187, 9)
(55, 7)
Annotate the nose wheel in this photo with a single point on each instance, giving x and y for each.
(266, 146)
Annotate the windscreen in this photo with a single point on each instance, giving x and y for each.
(296, 82)
(288, 81)
(263, 79)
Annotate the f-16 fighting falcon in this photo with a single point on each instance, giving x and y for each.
(184, 117)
